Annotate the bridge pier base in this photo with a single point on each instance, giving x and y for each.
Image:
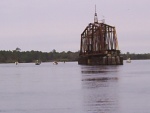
(100, 60)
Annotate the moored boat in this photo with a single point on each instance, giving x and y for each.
(55, 62)
(128, 60)
(37, 62)
(16, 62)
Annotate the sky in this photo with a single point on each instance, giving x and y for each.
(44, 25)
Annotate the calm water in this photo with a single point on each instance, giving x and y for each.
(72, 88)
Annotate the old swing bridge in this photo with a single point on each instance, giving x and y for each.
(99, 45)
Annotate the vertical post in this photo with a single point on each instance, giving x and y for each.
(81, 43)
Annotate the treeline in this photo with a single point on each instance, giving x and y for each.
(134, 56)
(31, 56)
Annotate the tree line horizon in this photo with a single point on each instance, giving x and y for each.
(8, 56)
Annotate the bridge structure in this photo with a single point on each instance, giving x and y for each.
(99, 45)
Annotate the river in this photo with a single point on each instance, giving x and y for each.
(72, 88)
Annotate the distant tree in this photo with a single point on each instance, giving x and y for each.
(18, 49)
(54, 51)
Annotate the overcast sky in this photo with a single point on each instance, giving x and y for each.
(45, 25)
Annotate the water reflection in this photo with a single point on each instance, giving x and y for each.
(100, 89)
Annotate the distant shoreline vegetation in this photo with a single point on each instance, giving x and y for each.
(134, 56)
(32, 56)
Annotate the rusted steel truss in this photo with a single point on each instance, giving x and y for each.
(98, 39)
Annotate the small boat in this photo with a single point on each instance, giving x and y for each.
(128, 60)
(55, 62)
(37, 62)
(16, 62)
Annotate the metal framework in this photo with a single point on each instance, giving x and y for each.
(98, 39)
(99, 45)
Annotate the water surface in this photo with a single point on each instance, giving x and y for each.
(72, 88)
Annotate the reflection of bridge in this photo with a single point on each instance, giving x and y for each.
(99, 45)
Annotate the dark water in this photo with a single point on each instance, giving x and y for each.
(72, 88)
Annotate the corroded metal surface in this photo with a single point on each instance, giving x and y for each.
(99, 45)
